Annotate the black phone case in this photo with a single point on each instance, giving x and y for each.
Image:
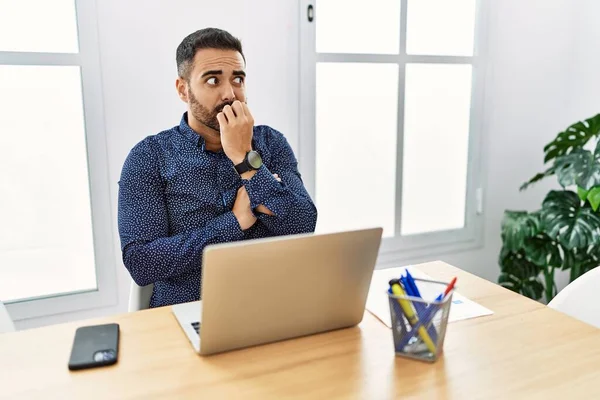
(95, 346)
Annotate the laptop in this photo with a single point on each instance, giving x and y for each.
(266, 290)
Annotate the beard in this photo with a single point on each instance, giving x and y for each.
(203, 114)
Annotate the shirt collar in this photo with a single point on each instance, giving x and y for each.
(191, 134)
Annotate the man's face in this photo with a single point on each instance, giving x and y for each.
(216, 80)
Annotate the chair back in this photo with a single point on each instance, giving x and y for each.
(139, 296)
(579, 299)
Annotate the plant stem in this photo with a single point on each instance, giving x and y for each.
(575, 271)
(549, 283)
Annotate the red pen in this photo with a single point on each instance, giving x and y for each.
(450, 286)
(448, 289)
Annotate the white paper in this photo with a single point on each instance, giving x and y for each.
(378, 303)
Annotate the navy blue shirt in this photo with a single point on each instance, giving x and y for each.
(176, 197)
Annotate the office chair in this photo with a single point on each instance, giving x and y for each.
(6, 323)
(579, 298)
(139, 296)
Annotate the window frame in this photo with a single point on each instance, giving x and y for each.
(416, 246)
(88, 59)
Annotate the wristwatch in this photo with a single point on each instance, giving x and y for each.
(251, 162)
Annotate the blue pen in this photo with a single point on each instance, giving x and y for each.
(428, 314)
(411, 281)
(425, 319)
(412, 290)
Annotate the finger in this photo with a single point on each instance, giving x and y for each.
(264, 210)
(247, 112)
(221, 118)
(238, 109)
(228, 111)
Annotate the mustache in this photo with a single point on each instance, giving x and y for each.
(220, 107)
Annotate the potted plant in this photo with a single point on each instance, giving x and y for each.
(565, 233)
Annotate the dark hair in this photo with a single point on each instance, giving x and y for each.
(207, 38)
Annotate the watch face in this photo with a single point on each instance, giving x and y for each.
(254, 160)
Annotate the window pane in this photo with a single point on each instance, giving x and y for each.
(345, 26)
(436, 143)
(356, 124)
(440, 27)
(46, 244)
(47, 26)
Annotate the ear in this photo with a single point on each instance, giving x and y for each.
(182, 89)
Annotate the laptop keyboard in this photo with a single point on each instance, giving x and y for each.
(196, 326)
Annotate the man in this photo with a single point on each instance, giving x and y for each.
(214, 178)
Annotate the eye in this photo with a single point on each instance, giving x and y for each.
(212, 81)
(239, 80)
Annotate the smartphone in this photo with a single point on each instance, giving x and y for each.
(95, 346)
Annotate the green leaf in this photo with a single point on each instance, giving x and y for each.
(520, 275)
(550, 171)
(580, 167)
(582, 193)
(575, 136)
(580, 261)
(589, 263)
(594, 198)
(565, 220)
(518, 226)
(546, 253)
(543, 251)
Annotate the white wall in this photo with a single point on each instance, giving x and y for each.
(527, 96)
(542, 78)
(585, 92)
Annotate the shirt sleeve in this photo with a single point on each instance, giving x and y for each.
(150, 254)
(293, 209)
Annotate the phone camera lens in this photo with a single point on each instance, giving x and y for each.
(104, 355)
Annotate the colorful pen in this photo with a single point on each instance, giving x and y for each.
(448, 289)
(411, 282)
(429, 312)
(410, 287)
(410, 314)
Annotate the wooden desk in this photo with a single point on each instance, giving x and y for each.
(525, 350)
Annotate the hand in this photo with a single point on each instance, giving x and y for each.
(242, 211)
(236, 124)
(264, 210)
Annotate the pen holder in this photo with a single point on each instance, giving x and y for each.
(419, 325)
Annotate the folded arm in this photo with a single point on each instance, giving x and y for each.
(291, 209)
(149, 253)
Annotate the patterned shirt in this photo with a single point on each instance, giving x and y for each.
(176, 197)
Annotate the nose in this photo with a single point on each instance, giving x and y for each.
(228, 94)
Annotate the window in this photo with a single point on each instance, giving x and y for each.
(391, 104)
(56, 246)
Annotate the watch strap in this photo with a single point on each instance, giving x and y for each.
(244, 166)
